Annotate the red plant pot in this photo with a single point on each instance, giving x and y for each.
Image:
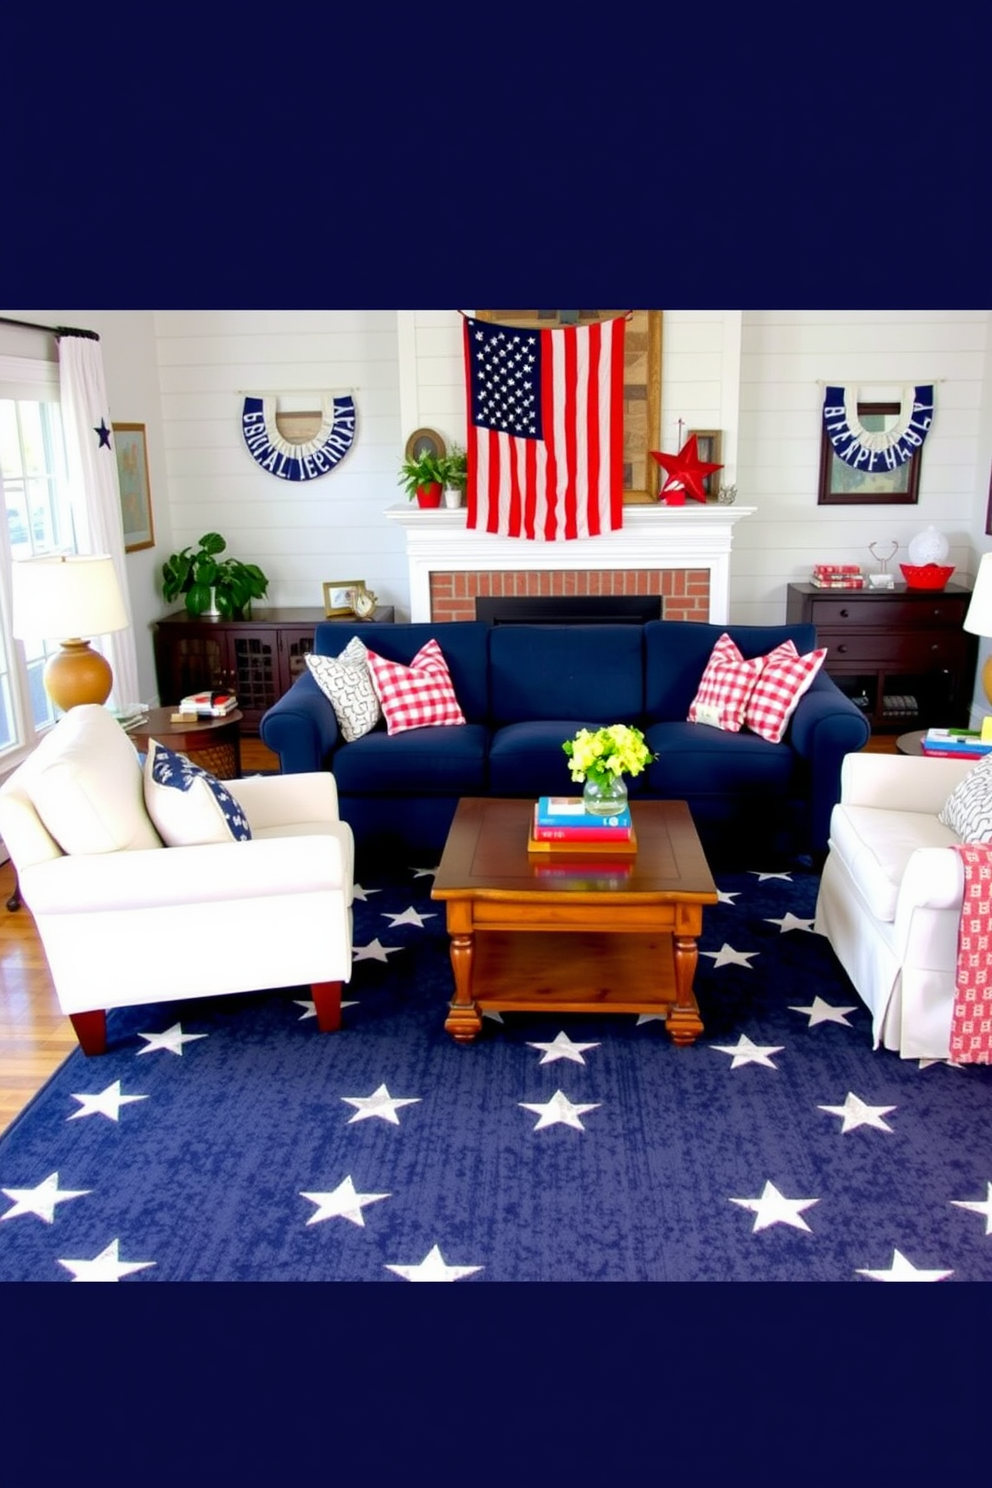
(429, 495)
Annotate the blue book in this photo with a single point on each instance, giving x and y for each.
(569, 811)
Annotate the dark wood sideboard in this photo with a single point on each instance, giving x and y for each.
(258, 659)
(901, 653)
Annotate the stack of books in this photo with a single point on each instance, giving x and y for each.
(955, 744)
(215, 704)
(837, 576)
(561, 823)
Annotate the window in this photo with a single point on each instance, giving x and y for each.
(39, 520)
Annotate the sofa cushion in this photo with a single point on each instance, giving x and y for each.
(784, 677)
(417, 696)
(526, 759)
(346, 680)
(875, 844)
(84, 781)
(188, 805)
(676, 653)
(449, 760)
(464, 642)
(724, 688)
(593, 673)
(968, 809)
(694, 761)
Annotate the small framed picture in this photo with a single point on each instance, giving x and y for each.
(339, 596)
(131, 449)
(708, 449)
(843, 485)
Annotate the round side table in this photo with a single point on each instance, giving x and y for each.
(910, 743)
(212, 743)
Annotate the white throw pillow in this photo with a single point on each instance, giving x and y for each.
(188, 805)
(346, 681)
(84, 781)
(968, 809)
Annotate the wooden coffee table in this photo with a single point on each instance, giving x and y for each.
(540, 932)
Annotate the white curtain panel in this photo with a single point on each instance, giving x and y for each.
(96, 499)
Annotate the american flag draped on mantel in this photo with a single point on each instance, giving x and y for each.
(545, 429)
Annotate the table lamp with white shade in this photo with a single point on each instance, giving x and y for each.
(978, 621)
(65, 598)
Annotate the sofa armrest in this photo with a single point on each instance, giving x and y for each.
(825, 729)
(900, 782)
(301, 728)
(273, 801)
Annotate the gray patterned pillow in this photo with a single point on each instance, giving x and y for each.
(968, 809)
(346, 681)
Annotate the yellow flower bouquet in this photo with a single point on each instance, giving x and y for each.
(600, 759)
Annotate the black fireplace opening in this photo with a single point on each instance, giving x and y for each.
(569, 609)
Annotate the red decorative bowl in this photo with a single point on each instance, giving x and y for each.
(926, 575)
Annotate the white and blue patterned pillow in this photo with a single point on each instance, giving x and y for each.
(346, 681)
(188, 806)
(968, 809)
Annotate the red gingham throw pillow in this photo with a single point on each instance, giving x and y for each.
(415, 696)
(785, 676)
(724, 687)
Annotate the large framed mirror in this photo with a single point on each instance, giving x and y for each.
(641, 388)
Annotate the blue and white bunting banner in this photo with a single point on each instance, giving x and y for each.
(877, 449)
(299, 461)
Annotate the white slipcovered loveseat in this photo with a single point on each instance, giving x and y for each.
(891, 892)
(126, 920)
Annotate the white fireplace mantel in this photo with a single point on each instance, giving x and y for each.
(652, 537)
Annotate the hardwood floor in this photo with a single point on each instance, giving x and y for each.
(35, 1037)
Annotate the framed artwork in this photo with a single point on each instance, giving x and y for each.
(131, 449)
(842, 485)
(708, 445)
(641, 386)
(339, 596)
(425, 442)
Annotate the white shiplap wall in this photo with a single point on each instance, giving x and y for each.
(302, 534)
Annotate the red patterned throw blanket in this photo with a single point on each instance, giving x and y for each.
(971, 1024)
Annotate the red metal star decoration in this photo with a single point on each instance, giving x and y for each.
(686, 473)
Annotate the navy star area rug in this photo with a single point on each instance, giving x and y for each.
(228, 1140)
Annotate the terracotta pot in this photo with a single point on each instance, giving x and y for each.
(429, 495)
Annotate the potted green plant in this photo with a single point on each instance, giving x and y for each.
(423, 477)
(455, 467)
(211, 584)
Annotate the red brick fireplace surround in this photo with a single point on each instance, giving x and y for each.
(685, 592)
(681, 553)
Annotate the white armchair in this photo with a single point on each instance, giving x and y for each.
(125, 920)
(890, 896)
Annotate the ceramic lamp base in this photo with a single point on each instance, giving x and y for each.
(76, 675)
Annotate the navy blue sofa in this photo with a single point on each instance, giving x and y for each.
(524, 689)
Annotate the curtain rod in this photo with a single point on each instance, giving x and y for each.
(32, 325)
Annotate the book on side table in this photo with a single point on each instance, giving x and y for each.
(949, 743)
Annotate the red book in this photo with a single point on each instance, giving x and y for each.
(581, 834)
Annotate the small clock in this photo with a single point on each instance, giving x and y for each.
(364, 604)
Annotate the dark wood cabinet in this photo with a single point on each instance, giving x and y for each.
(259, 659)
(901, 654)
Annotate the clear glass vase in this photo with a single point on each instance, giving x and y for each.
(605, 800)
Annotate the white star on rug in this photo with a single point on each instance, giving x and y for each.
(423, 872)
(310, 1009)
(107, 1266)
(762, 876)
(374, 951)
(727, 956)
(380, 1104)
(496, 1016)
(926, 1063)
(903, 1270)
(433, 1268)
(562, 1048)
(977, 1206)
(409, 916)
(651, 1018)
(774, 1208)
(823, 1012)
(559, 1111)
(856, 1113)
(790, 922)
(172, 1039)
(342, 1203)
(357, 892)
(728, 898)
(745, 1052)
(41, 1200)
(107, 1103)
